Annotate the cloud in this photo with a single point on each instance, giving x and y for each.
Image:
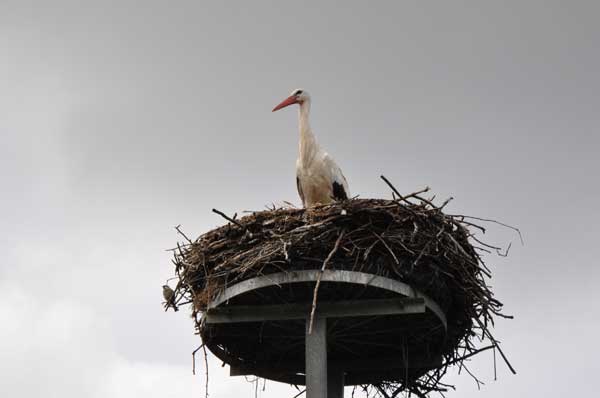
(136, 379)
(63, 348)
(119, 122)
(54, 346)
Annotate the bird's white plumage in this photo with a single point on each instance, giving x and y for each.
(336, 173)
(319, 179)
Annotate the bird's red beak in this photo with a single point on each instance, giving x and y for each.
(286, 102)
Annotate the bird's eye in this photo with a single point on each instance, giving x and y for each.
(298, 92)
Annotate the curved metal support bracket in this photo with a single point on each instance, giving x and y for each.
(336, 276)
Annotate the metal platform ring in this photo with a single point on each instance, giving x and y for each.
(336, 276)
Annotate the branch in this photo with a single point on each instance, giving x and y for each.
(194, 358)
(182, 234)
(300, 393)
(231, 220)
(493, 340)
(492, 221)
(206, 366)
(400, 196)
(315, 292)
(489, 347)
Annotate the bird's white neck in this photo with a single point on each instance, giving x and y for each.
(308, 146)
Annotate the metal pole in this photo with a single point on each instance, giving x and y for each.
(316, 359)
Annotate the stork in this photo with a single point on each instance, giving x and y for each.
(318, 177)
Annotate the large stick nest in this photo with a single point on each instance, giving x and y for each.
(408, 239)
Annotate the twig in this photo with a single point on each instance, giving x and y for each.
(300, 393)
(315, 292)
(445, 203)
(492, 221)
(489, 347)
(194, 358)
(182, 234)
(206, 366)
(387, 247)
(382, 391)
(495, 374)
(428, 201)
(505, 254)
(493, 340)
(479, 382)
(231, 220)
(496, 248)
(400, 196)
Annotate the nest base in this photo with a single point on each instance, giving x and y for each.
(382, 329)
(408, 239)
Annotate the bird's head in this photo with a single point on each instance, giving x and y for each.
(166, 287)
(298, 96)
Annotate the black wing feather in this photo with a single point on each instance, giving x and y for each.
(300, 190)
(339, 193)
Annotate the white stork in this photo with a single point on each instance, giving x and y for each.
(318, 178)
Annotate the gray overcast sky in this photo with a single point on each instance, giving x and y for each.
(120, 120)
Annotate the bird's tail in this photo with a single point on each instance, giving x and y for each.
(170, 304)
